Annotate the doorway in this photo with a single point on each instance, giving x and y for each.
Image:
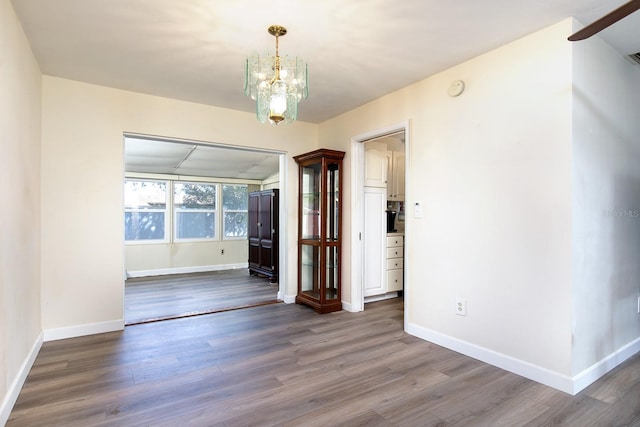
(358, 211)
(198, 262)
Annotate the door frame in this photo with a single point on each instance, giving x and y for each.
(357, 210)
(283, 198)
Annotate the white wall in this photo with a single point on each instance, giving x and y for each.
(606, 215)
(492, 169)
(186, 257)
(20, 114)
(272, 182)
(82, 173)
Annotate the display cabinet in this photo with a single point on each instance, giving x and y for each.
(319, 229)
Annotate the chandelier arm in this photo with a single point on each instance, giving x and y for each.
(276, 62)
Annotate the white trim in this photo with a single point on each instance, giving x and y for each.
(382, 297)
(288, 299)
(571, 385)
(347, 307)
(161, 176)
(283, 239)
(357, 213)
(82, 330)
(536, 373)
(16, 385)
(598, 369)
(184, 270)
(408, 222)
(357, 224)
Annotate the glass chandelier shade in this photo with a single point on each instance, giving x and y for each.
(276, 83)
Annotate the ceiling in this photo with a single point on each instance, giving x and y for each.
(145, 155)
(357, 51)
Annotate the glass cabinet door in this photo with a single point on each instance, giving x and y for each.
(331, 276)
(310, 193)
(333, 197)
(310, 271)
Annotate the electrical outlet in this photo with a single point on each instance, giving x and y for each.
(461, 306)
(221, 251)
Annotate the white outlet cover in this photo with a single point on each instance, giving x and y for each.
(461, 306)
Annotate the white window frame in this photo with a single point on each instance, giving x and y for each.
(223, 234)
(166, 211)
(176, 211)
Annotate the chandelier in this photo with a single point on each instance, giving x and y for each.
(276, 83)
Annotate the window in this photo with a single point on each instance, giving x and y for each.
(195, 210)
(192, 207)
(145, 210)
(235, 199)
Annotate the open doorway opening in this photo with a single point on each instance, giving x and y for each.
(379, 198)
(186, 215)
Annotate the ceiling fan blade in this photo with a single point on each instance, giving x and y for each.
(609, 19)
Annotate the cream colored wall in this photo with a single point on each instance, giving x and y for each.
(273, 182)
(168, 258)
(20, 115)
(492, 169)
(82, 172)
(606, 147)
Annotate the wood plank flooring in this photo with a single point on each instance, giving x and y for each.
(180, 295)
(285, 365)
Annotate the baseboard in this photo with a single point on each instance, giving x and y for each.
(17, 383)
(185, 270)
(374, 298)
(598, 369)
(570, 385)
(347, 307)
(288, 299)
(82, 330)
(528, 370)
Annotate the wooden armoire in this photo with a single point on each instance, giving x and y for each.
(263, 233)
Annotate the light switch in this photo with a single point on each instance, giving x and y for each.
(417, 210)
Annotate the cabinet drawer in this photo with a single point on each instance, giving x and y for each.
(394, 280)
(395, 241)
(397, 252)
(394, 263)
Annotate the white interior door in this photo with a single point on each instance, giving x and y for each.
(374, 240)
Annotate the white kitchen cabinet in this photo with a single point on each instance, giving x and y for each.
(395, 176)
(395, 263)
(375, 165)
(374, 240)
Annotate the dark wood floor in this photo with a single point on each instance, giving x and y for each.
(285, 365)
(166, 297)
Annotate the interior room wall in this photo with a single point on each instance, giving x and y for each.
(492, 170)
(20, 120)
(149, 259)
(272, 182)
(82, 172)
(606, 214)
